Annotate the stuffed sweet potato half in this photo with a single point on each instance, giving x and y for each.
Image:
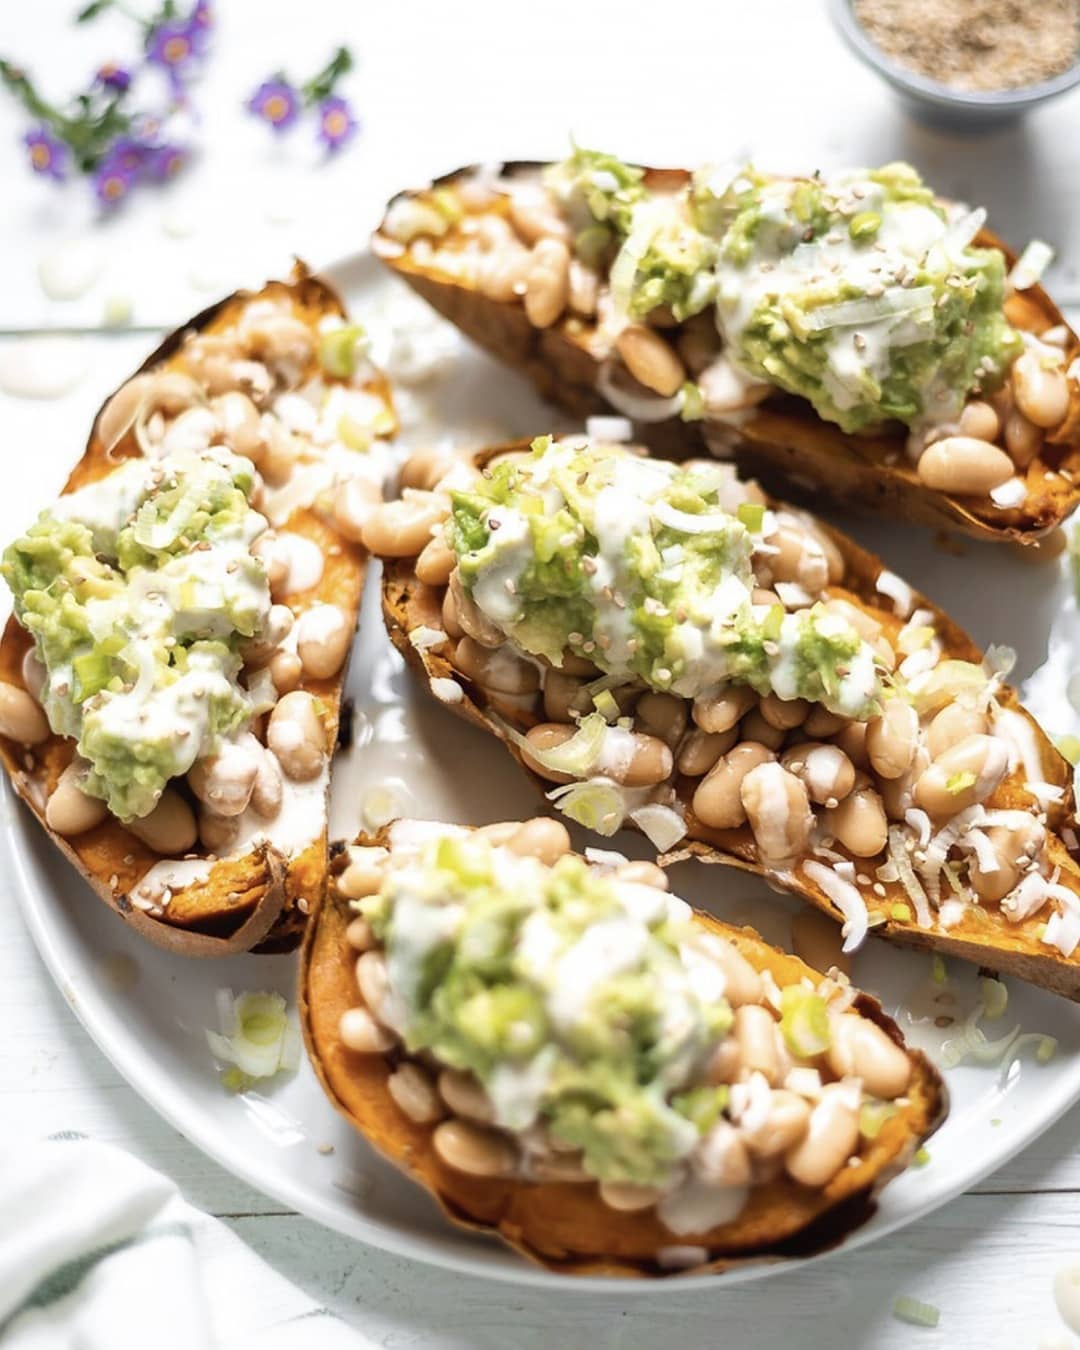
(853, 337)
(172, 674)
(666, 647)
(567, 1056)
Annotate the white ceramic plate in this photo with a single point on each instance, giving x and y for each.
(147, 1010)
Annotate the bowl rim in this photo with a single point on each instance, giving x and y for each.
(997, 100)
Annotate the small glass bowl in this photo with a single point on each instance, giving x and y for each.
(959, 109)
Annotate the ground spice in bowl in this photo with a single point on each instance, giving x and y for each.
(976, 44)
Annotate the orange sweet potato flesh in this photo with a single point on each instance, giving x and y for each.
(258, 900)
(566, 1227)
(983, 935)
(783, 442)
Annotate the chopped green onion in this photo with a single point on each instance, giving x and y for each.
(995, 998)
(605, 705)
(804, 1022)
(773, 623)
(960, 782)
(118, 310)
(1069, 748)
(692, 402)
(938, 973)
(917, 1314)
(872, 1115)
(751, 514)
(864, 225)
(256, 1038)
(1047, 1050)
(598, 805)
(353, 433)
(339, 349)
(1031, 264)
(576, 756)
(447, 204)
(702, 1106)
(900, 912)
(921, 1158)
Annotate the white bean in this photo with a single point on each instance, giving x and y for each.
(717, 800)
(964, 465)
(400, 529)
(474, 1150)
(224, 781)
(861, 1049)
(831, 1138)
(1041, 389)
(170, 827)
(547, 285)
(413, 1091)
(964, 775)
(651, 360)
(21, 717)
(778, 810)
(323, 634)
(297, 736)
(69, 810)
(355, 500)
(361, 1033)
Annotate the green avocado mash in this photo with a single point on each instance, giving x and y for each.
(577, 1001)
(598, 194)
(634, 564)
(859, 292)
(138, 590)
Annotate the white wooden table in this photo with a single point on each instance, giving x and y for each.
(441, 85)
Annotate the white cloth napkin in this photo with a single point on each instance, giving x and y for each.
(100, 1252)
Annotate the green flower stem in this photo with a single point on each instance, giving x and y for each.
(321, 86)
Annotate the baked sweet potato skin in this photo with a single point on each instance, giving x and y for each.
(982, 935)
(257, 900)
(566, 1227)
(783, 442)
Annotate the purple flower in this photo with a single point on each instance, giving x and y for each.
(171, 46)
(165, 162)
(48, 155)
(200, 21)
(276, 102)
(128, 154)
(113, 180)
(337, 125)
(112, 76)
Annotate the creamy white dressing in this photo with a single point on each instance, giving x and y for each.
(697, 1206)
(157, 886)
(516, 1091)
(105, 505)
(71, 269)
(199, 594)
(624, 500)
(42, 367)
(495, 590)
(907, 232)
(604, 951)
(300, 821)
(304, 562)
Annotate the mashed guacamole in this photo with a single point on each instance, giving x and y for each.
(859, 292)
(579, 1002)
(635, 565)
(138, 590)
